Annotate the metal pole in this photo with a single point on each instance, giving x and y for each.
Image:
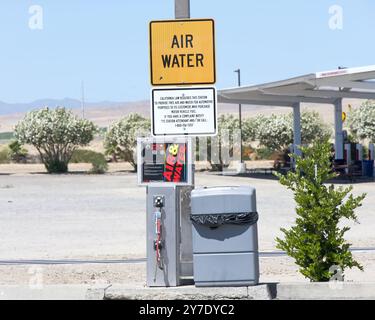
(296, 127)
(339, 139)
(83, 99)
(183, 239)
(240, 112)
(182, 9)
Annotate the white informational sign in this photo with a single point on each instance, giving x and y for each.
(184, 111)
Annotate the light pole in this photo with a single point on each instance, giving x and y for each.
(242, 165)
(83, 98)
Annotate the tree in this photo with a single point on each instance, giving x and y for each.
(361, 121)
(121, 138)
(55, 133)
(316, 241)
(250, 127)
(313, 127)
(276, 131)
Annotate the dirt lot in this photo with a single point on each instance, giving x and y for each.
(82, 216)
(272, 269)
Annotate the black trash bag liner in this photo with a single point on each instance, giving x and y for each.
(217, 219)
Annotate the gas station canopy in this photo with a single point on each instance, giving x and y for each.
(327, 87)
(320, 87)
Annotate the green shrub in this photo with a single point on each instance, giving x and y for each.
(99, 164)
(81, 156)
(102, 131)
(316, 241)
(4, 155)
(97, 160)
(265, 153)
(16, 152)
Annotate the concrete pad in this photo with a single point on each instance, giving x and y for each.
(326, 291)
(269, 291)
(120, 292)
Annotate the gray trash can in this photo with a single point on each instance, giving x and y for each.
(225, 237)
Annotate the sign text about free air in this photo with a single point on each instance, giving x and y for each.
(182, 52)
(184, 111)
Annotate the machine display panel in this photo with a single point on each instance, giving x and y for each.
(163, 162)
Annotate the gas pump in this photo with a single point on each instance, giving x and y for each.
(165, 168)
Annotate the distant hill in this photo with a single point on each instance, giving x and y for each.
(105, 113)
(102, 113)
(10, 108)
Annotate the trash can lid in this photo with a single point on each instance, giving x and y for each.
(225, 190)
(222, 200)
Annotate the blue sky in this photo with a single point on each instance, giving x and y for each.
(105, 43)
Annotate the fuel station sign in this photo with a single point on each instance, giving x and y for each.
(182, 52)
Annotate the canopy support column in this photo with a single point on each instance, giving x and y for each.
(297, 128)
(339, 138)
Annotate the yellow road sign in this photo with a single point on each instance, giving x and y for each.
(182, 52)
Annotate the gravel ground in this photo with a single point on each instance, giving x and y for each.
(272, 269)
(84, 216)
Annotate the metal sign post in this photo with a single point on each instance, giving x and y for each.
(182, 9)
(182, 52)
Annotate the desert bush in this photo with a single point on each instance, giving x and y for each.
(313, 127)
(316, 240)
(275, 132)
(265, 153)
(97, 160)
(121, 139)
(55, 133)
(250, 128)
(17, 153)
(4, 155)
